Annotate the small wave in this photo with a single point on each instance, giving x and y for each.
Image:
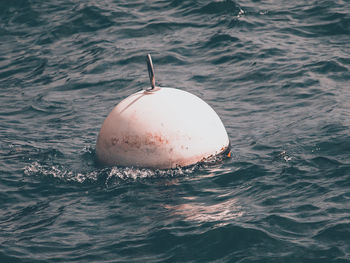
(106, 176)
(220, 40)
(45, 166)
(336, 235)
(56, 171)
(23, 68)
(219, 7)
(50, 106)
(28, 152)
(86, 19)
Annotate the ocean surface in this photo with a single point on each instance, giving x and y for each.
(276, 72)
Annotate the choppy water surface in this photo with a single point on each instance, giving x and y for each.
(277, 73)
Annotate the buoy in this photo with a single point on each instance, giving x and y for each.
(161, 128)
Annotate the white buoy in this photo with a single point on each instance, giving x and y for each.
(160, 128)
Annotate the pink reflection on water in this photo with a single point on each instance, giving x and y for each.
(222, 213)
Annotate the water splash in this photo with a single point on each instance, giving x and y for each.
(59, 172)
(106, 176)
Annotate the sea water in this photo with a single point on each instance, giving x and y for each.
(276, 72)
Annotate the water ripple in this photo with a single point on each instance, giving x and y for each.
(276, 73)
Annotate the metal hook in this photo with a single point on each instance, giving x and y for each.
(150, 72)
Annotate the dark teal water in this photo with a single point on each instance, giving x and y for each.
(276, 72)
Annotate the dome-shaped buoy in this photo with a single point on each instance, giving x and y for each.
(160, 128)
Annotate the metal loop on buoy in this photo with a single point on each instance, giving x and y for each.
(150, 73)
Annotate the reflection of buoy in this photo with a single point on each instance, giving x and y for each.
(160, 128)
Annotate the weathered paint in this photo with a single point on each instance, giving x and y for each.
(164, 128)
